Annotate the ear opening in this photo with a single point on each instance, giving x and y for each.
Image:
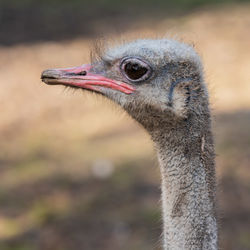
(179, 96)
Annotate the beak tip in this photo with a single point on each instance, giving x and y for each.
(51, 73)
(50, 76)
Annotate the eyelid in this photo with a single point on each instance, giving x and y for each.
(135, 58)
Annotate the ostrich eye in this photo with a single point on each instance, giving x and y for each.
(135, 69)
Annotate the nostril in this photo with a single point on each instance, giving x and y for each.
(82, 73)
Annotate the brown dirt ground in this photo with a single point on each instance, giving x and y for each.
(55, 142)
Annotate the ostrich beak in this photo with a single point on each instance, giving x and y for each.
(81, 77)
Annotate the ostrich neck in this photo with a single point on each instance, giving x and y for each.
(186, 160)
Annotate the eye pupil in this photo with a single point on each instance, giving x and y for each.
(135, 66)
(134, 70)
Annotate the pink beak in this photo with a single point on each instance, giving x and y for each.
(82, 78)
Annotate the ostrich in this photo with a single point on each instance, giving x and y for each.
(160, 84)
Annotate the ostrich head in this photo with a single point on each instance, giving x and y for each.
(155, 81)
(160, 84)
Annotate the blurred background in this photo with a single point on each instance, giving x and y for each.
(75, 171)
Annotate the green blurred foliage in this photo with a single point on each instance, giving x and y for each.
(129, 3)
(39, 20)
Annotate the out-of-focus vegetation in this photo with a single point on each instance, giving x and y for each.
(75, 172)
(41, 20)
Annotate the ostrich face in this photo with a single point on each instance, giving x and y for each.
(147, 78)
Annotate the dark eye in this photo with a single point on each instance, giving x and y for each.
(135, 69)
